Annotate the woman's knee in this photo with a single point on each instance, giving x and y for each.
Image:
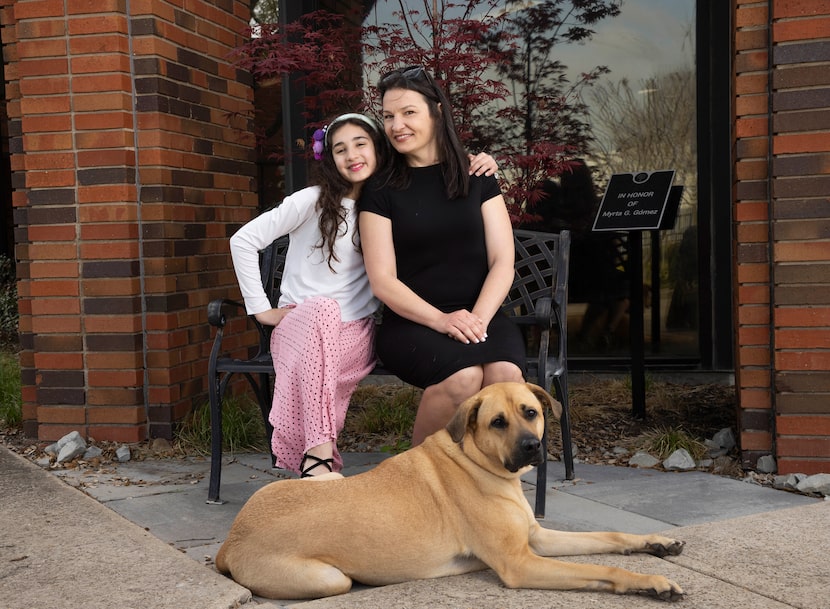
(502, 372)
(464, 383)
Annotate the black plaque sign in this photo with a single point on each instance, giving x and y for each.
(634, 201)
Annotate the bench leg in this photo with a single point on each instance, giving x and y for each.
(560, 384)
(542, 476)
(215, 392)
(264, 398)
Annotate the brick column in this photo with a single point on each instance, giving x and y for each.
(782, 241)
(753, 372)
(132, 162)
(801, 239)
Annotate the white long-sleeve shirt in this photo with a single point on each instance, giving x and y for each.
(307, 272)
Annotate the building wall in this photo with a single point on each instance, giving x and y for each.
(782, 231)
(132, 165)
(132, 161)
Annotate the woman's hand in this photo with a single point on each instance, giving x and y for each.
(483, 164)
(272, 317)
(465, 327)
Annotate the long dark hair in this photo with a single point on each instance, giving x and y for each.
(334, 187)
(455, 164)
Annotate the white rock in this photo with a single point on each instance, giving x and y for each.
(123, 454)
(92, 452)
(766, 464)
(71, 449)
(787, 482)
(817, 483)
(642, 459)
(72, 436)
(680, 460)
(725, 438)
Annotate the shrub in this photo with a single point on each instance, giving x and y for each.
(8, 303)
(10, 396)
(663, 441)
(378, 409)
(242, 428)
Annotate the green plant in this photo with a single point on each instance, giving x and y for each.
(242, 427)
(10, 396)
(377, 409)
(8, 302)
(648, 381)
(663, 441)
(400, 445)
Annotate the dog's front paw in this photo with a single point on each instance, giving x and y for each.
(665, 547)
(663, 589)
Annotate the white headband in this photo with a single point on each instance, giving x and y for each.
(351, 115)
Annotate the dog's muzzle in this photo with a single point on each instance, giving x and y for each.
(528, 451)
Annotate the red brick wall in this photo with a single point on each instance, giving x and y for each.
(782, 215)
(753, 372)
(132, 163)
(801, 236)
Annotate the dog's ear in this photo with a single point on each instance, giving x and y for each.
(464, 418)
(546, 399)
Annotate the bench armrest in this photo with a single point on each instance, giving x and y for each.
(215, 311)
(543, 308)
(218, 311)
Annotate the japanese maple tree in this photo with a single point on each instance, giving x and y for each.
(495, 58)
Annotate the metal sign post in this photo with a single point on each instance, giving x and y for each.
(637, 202)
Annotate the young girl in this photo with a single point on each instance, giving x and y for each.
(322, 343)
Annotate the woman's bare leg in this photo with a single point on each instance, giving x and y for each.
(501, 372)
(439, 402)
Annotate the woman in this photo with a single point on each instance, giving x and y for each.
(322, 345)
(438, 248)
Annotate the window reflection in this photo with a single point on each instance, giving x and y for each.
(643, 118)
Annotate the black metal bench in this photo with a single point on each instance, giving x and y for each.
(537, 302)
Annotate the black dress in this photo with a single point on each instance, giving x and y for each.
(441, 255)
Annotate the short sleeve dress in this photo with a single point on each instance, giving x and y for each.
(441, 255)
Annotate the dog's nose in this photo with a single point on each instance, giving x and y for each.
(531, 446)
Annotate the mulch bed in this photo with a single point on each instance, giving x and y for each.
(601, 421)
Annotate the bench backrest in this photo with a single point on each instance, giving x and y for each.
(538, 299)
(541, 282)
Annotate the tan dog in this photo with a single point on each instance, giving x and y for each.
(452, 505)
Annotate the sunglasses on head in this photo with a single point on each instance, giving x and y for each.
(409, 73)
(413, 74)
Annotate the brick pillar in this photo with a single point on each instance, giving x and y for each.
(801, 216)
(132, 162)
(753, 372)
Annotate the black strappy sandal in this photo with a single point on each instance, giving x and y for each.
(304, 472)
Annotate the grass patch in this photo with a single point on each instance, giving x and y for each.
(384, 410)
(8, 303)
(377, 409)
(242, 428)
(663, 441)
(10, 397)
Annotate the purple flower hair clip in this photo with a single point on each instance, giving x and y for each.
(317, 146)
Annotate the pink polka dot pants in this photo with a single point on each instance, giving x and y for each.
(318, 361)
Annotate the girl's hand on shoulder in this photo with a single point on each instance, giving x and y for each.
(483, 164)
(273, 317)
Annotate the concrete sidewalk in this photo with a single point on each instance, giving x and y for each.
(141, 535)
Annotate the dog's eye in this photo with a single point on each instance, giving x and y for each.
(499, 423)
(531, 413)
